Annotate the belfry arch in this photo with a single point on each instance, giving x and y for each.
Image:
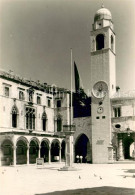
(100, 42)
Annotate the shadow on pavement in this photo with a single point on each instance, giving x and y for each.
(95, 191)
(129, 170)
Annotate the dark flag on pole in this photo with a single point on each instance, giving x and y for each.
(81, 101)
(77, 78)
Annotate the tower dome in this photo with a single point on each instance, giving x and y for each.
(103, 13)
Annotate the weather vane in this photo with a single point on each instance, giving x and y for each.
(102, 3)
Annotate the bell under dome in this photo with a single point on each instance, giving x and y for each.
(103, 13)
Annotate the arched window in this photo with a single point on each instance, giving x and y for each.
(112, 42)
(99, 41)
(30, 118)
(59, 124)
(14, 116)
(44, 121)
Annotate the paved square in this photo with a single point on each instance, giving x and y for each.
(30, 180)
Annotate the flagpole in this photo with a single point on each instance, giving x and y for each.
(71, 98)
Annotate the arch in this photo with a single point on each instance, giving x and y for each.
(23, 139)
(55, 147)
(35, 139)
(33, 150)
(6, 152)
(126, 146)
(44, 151)
(63, 147)
(99, 41)
(82, 148)
(21, 150)
(14, 113)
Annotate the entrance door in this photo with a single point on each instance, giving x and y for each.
(82, 148)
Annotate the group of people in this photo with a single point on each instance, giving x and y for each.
(79, 159)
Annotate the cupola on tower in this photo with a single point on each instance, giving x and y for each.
(103, 83)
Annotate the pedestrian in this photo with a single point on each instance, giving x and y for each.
(81, 157)
(77, 158)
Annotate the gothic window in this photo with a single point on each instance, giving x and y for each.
(112, 43)
(99, 42)
(7, 91)
(44, 121)
(58, 103)
(30, 118)
(38, 100)
(59, 124)
(21, 95)
(117, 112)
(14, 116)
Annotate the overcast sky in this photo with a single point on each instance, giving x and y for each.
(36, 37)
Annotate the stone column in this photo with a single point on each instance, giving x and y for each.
(60, 154)
(121, 155)
(69, 150)
(39, 152)
(49, 155)
(14, 155)
(28, 155)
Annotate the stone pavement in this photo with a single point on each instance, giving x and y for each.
(30, 180)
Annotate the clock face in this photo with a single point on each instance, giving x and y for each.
(100, 89)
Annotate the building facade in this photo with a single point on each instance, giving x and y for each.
(32, 114)
(32, 119)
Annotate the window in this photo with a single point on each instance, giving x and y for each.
(117, 112)
(99, 42)
(111, 42)
(58, 103)
(38, 100)
(14, 116)
(31, 93)
(49, 103)
(21, 95)
(7, 91)
(59, 124)
(44, 121)
(30, 118)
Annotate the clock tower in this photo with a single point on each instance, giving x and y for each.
(103, 84)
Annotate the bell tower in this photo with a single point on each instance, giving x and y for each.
(103, 84)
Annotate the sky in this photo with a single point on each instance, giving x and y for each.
(36, 37)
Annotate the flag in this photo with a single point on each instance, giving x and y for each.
(78, 81)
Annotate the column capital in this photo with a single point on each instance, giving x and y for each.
(14, 147)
